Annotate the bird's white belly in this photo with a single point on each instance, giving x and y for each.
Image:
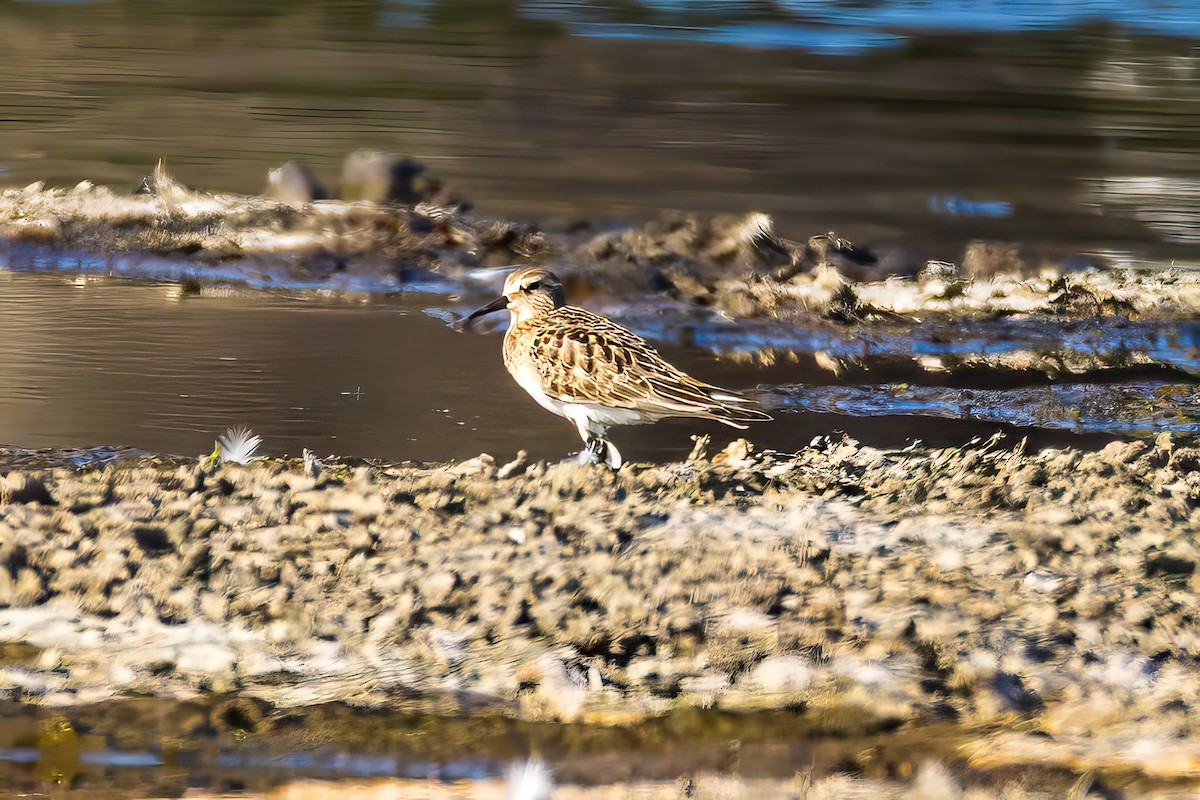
(586, 416)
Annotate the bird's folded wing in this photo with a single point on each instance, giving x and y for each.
(586, 358)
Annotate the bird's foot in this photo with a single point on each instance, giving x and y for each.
(585, 456)
(600, 451)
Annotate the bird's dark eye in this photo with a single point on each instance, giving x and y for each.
(534, 285)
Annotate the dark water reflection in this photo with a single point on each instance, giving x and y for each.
(1068, 125)
(223, 747)
(113, 362)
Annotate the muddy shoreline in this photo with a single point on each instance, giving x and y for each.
(737, 266)
(730, 284)
(1048, 593)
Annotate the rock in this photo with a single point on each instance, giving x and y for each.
(988, 259)
(1013, 695)
(1043, 580)
(1179, 561)
(737, 454)
(230, 514)
(295, 184)
(153, 541)
(17, 487)
(482, 464)
(514, 467)
(385, 178)
(436, 589)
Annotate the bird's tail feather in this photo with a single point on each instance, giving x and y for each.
(739, 416)
(710, 402)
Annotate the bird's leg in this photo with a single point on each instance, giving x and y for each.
(601, 451)
(596, 448)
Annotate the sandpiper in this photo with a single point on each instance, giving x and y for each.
(595, 373)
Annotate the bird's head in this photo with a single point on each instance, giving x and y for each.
(528, 293)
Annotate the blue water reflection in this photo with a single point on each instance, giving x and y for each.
(830, 40)
(821, 26)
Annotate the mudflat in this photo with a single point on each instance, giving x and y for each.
(1050, 593)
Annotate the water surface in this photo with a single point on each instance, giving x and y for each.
(90, 361)
(156, 748)
(1069, 126)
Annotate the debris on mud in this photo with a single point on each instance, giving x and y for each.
(396, 222)
(1050, 592)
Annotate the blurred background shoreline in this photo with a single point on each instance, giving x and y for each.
(1066, 126)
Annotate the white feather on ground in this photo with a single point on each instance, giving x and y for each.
(239, 445)
(530, 780)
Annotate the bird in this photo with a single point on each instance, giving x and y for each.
(596, 373)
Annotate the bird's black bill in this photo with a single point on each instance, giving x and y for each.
(499, 304)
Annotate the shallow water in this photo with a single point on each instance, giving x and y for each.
(896, 123)
(154, 748)
(89, 362)
(1138, 408)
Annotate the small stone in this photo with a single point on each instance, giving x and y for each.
(482, 464)
(208, 658)
(933, 781)
(736, 454)
(514, 467)
(777, 674)
(1042, 580)
(231, 514)
(436, 589)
